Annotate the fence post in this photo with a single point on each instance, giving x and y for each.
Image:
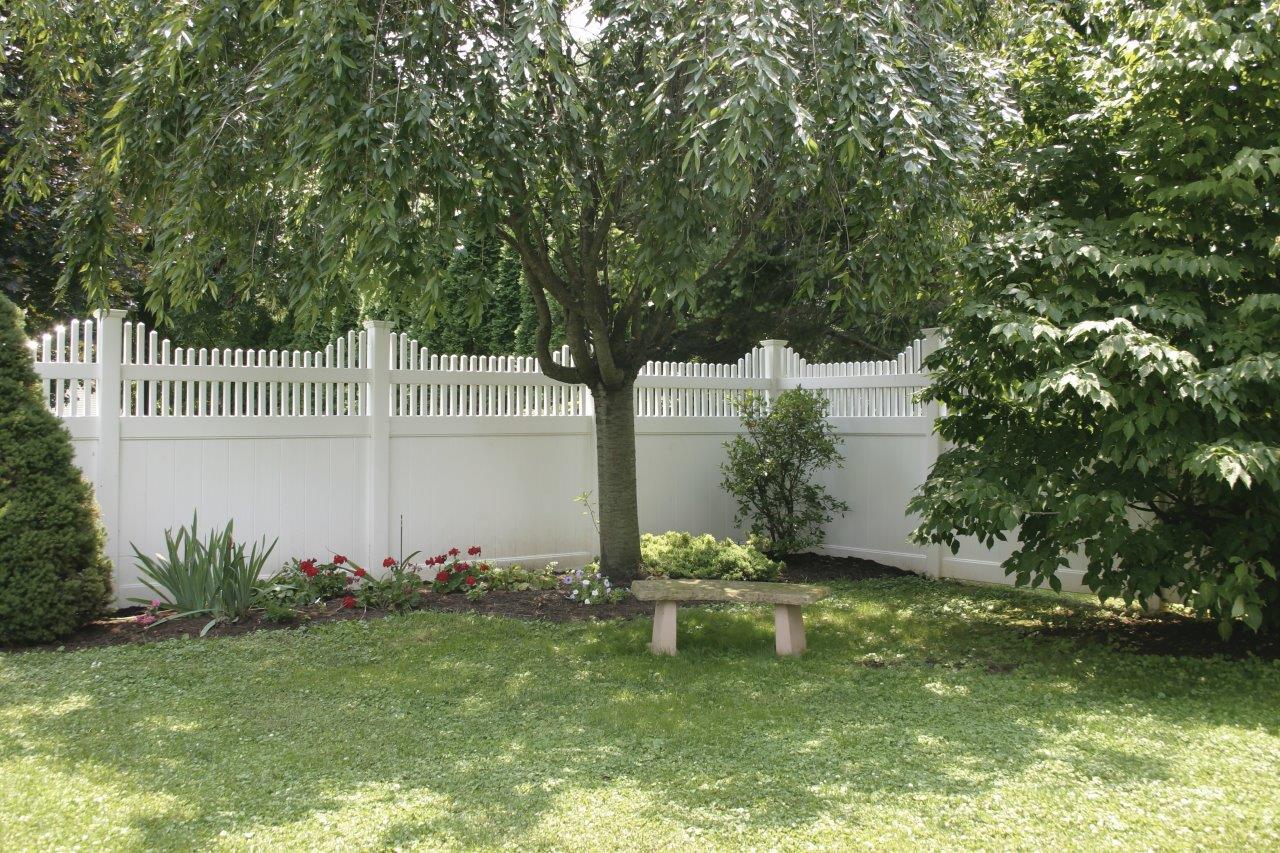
(110, 346)
(934, 554)
(378, 498)
(774, 369)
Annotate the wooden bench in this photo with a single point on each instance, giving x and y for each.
(786, 598)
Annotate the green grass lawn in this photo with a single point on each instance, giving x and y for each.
(922, 715)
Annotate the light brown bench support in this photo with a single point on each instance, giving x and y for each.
(787, 600)
(788, 629)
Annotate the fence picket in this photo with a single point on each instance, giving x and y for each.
(160, 380)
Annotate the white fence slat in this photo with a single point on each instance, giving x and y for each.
(160, 380)
(313, 417)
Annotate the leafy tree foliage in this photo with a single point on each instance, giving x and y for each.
(484, 308)
(770, 468)
(30, 220)
(1112, 383)
(53, 574)
(767, 296)
(626, 152)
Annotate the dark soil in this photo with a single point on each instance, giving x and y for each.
(1170, 634)
(120, 628)
(814, 568)
(546, 605)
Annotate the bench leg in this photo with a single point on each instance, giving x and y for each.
(664, 628)
(788, 626)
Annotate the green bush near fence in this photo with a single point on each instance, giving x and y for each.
(683, 555)
(53, 574)
(771, 469)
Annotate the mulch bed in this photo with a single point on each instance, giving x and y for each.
(1126, 631)
(815, 568)
(545, 605)
(1168, 634)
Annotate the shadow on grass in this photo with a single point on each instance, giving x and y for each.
(491, 725)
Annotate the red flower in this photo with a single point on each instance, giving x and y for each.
(349, 602)
(359, 572)
(453, 552)
(474, 550)
(338, 559)
(461, 567)
(484, 567)
(308, 568)
(387, 563)
(471, 580)
(441, 577)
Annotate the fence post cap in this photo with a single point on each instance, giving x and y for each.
(773, 342)
(112, 313)
(377, 324)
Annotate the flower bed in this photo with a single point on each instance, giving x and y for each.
(513, 592)
(530, 604)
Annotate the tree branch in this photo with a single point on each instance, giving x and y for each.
(542, 340)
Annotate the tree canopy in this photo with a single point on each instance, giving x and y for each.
(1111, 378)
(626, 152)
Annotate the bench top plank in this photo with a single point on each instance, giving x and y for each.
(747, 592)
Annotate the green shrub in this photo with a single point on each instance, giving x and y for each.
(770, 470)
(520, 579)
(1110, 377)
(54, 576)
(683, 555)
(214, 577)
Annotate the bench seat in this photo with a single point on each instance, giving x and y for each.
(787, 600)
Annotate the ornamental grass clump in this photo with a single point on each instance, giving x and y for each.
(54, 576)
(683, 555)
(214, 576)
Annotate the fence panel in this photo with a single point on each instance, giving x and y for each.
(373, 445)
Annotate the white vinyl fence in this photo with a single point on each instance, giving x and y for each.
(375, 446)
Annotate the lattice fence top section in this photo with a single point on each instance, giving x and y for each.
(161, 380)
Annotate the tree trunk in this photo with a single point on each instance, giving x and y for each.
(616, 475)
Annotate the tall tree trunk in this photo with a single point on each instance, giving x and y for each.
(616, 475)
